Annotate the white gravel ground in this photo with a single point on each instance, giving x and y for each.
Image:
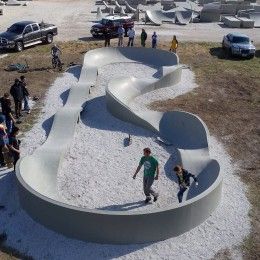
(226, 228)
(97, 171)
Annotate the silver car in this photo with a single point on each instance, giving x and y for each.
(238, 44)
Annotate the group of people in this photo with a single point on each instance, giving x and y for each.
(151, 173)
(9, 144)
(131, 36)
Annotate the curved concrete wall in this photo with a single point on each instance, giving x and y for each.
(37, 173)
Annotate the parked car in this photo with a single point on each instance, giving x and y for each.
(238, 45)
(111, 23)
(27, 33)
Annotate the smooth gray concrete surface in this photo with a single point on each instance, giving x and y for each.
(37, 173)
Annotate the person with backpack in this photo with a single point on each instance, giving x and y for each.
(151, 173)
(143, 37)
(174, 44)
(26, 94)
(154, 40)
(183, 180)
(17, 93)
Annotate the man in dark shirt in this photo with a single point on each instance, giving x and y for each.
(3, 100)
(17, 93)
(183, 180)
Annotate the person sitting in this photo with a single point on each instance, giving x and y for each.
(183, 180)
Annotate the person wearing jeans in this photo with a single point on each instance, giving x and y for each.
(151, 173)
(183, 180)
(25, 94)
(131, 35)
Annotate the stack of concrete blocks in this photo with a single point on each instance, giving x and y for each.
(168, 4)
(232, 22)
(210, 13)
(246, 23)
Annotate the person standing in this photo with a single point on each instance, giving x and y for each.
(9, 119)
(131, 36)
(17, 93)
(151, 173)
(3, 141)
(107, 35)
(120, 32)
(174, 44)
(154, 40)
(183, 180)
(143, 37)
(14, 145)
(26, 94)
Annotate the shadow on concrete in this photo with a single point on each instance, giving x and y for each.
(46, 125)
(125, 207)
(75, 71)
(96, 115)
(64, 96)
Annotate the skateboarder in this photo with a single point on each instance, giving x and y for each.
(174, 44)
(183, 180)
(151, 173)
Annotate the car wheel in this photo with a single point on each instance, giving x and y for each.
(95, 35)
(49, 38)
(19, 46)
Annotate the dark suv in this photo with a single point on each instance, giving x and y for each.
(111, 23)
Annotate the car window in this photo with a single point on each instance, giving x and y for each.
(35, 27)
(16, 28)
(28, 29)
(240, 39)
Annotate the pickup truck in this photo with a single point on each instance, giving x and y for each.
(27, 33)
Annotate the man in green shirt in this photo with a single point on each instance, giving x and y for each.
(151, 167)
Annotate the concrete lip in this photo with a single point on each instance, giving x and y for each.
(37, 173)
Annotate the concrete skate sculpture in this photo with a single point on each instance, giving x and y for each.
(37, 173)
(179, 14)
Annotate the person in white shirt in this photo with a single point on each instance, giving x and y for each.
(131, 35)
(120, 32)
